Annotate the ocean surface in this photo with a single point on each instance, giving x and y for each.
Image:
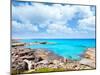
(68, 48)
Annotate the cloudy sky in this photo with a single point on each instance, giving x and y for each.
(45, 20)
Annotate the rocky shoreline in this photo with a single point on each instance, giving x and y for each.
(26, 60)
(16, 43)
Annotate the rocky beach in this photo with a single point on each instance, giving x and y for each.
(26, 60)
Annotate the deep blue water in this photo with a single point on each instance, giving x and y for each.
(68, 48)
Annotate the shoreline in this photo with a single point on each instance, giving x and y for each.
(27, 60)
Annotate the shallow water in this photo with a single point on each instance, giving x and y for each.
(68, 48)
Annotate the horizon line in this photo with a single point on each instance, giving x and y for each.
(54, 38)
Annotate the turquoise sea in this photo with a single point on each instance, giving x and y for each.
(68, 48)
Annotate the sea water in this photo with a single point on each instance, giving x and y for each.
(68, 48)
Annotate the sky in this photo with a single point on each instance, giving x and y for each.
(46, 20)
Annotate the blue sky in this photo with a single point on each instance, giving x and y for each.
(42, 20)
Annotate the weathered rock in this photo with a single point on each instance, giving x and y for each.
(21, 66)
(28, 57)
(88, 62)
(90, 54)
(43, 62)
(89, 58)
(29, 63)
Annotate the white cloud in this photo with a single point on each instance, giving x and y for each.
(41, 13)
(53, 17)
(85, 11)
(18, 27)
(56, 28)
(87, 23)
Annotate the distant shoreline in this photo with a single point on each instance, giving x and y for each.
(42, 42)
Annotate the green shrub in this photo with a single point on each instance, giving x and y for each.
(49, 70)
(40, 70)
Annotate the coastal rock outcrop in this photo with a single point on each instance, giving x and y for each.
(89, 58)
(26, 59)
(33, 58)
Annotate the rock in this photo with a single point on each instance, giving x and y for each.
(40, 42)
(56, 61)
(29, 64)
(18, 44)
(53, 66)
(72, 66)
(25, 66)
(28, 57)
(84, 67)
(43, 62)
(22, 66)
(89, 58)
(25, 52)
(38, 59)
(90, 54)
(87, 62)
(43, 42)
